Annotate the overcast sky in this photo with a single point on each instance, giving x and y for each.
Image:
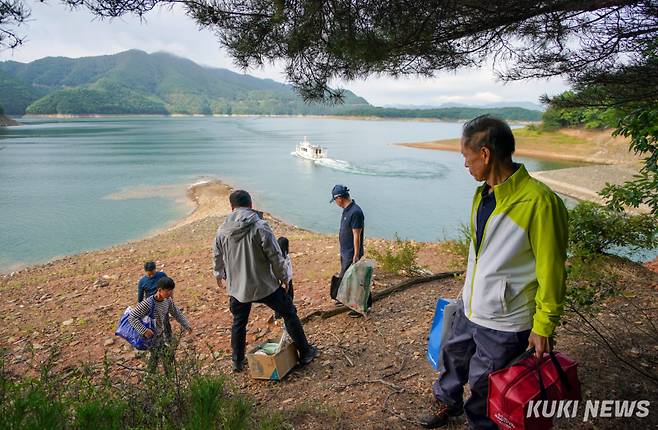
(56, 31)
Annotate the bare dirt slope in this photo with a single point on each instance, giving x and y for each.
(370, 374)
(74, 303)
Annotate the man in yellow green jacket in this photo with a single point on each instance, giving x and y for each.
(513, 294)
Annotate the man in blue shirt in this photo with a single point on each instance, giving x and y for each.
(148, 285)
(350, 235)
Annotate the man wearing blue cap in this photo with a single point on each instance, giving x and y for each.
(351, 230)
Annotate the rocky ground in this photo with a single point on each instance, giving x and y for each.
(74, 302)
(371, 372)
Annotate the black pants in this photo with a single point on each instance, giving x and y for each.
(279, 302)
(168, 333)
(345, 263)
(291, 293)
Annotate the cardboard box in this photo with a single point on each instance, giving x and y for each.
(273, 367)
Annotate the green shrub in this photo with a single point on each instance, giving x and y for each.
(100, 415)
(594, 229)
(235, 415)
(557, 115)
(95, 398)
(552, 120)
(588, 283)
(275, 421)
(29, 407)
(461, 246)
(205, 403)
(399, 258)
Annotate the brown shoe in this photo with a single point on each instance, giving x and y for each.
(439, 415)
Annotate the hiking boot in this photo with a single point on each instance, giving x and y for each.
(238, 365)
(353, 314)
(439, 415)
(309, 356)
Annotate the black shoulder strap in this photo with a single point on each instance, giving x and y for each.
(561, 373)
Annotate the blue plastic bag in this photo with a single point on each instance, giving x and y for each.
(443, 317)
(128, 332)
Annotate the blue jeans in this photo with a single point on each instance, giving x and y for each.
(470, 353)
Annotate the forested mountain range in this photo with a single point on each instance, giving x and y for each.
(135, 82)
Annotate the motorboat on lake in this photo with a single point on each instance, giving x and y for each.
(305, 149)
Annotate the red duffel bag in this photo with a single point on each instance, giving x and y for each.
(528, 379)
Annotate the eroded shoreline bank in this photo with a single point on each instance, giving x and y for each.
(606, 159)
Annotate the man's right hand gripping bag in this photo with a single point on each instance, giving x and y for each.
(354, 287)
(528, 379)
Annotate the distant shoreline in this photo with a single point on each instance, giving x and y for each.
(341, 117)
(608, 157)
(453, 146)
(6, 121)
(586, 146)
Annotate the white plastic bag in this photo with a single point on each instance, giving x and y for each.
(354, 289)
(285, 341)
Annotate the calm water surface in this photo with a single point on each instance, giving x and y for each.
(78, 184)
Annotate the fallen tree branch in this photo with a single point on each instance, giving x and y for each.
(412, 283)
(402, 417)
(134, 369)
(384, 293)
(342, 349)
(404, 378)
(346, 357)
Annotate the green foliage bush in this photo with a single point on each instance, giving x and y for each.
(588, 117)
(588, 283)
(399, 258)
(205, 403)
(462, 244)
(83, 398)
(641, 126)
(595, 229)
(100, 414)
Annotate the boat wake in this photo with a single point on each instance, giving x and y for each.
(401, 168)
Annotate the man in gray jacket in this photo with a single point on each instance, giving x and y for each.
(248, 257)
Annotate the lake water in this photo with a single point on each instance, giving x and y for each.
(78, 184)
